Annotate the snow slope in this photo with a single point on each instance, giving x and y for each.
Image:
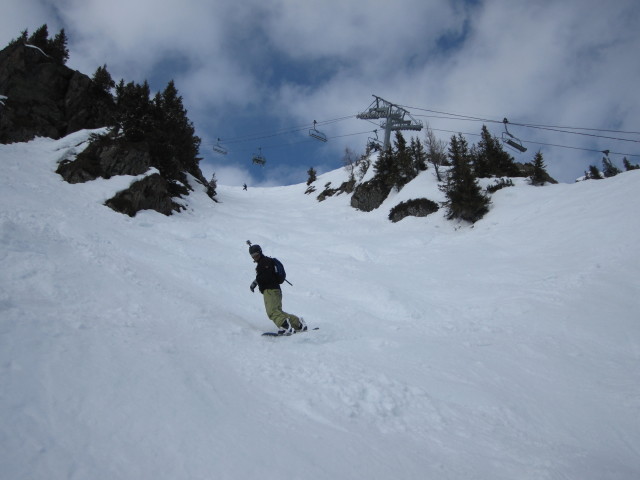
(131, 347)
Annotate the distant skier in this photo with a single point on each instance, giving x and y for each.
(268, 284)
(244, 187)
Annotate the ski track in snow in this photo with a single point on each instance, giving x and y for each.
(131, 347)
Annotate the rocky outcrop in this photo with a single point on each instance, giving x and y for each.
(45, 98)
(42, 97)
(151, 193)
(369, 195)
(345, 187)
(419, 207)
(105, 158)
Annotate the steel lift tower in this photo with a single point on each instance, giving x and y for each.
(395, 118)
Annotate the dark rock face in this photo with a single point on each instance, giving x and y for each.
(150, 193)
(369, 195)
(345, 187)
(106, 158)
(45, 98)
(420, 207)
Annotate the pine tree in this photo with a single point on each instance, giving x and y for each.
(22, 39)
(313, 176)
(173, 136)
(212, 186)
(419, 155)
(102, 80)
(403, 171)
(465, 199)
(134, 113)
(628, 166)
(40, 38)
(490, 159)
(593, 173)
(608, 168)
(384, 168)
(57, 48)
(539, 175)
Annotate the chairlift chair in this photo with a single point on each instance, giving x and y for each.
(318, 135)
(374, 143)
(258, 158)
(510, 140)
(219, 148)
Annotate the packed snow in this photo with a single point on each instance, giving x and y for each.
(131, 348)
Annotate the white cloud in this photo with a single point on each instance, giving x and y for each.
(290, 62)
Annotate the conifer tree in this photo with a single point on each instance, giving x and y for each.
(419, 155)
(103, 80)
(539, 175)
(173, 136)
(57, 48)
(593, 173)
(134, 115)
(40, 38)
(23, 38)
(403, 171)
(490, 159)
(312, 175)
(465, 199)
(628, 166)
(212, 186)
(384, 168)
(608, 168)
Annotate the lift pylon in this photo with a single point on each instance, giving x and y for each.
(395, 118)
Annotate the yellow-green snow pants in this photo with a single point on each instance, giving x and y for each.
(273, 306)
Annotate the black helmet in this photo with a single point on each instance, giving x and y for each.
(255, 249)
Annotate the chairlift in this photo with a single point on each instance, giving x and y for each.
(318, 135)
(258, 158)
(374, 143)
(510, 140)
(220, 149)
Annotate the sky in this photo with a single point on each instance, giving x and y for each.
(257, 74)
(131, 348)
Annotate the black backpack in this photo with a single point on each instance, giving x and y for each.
(281, 275)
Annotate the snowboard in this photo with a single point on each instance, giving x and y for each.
(275, 334)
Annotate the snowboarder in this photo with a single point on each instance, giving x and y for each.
(244, 186)
(268, 284)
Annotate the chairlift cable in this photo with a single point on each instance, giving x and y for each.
(542, 143)
(532, 125)
(561, 129)
(443, 116)
(283, 131)
(552, 129)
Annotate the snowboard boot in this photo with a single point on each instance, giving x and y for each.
(285, 328)
(303, 325)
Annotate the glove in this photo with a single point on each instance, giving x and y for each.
(253, 286)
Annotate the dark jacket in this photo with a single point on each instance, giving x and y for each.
(266, 274)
